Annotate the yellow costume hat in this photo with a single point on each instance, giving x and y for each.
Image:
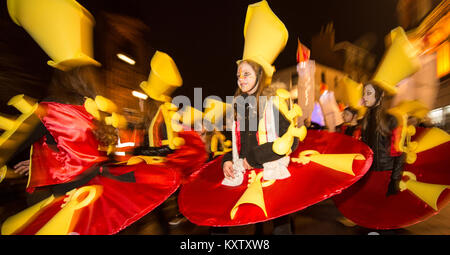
(398, 62)
(164, 78)
(63, 29)
(350, 93)
(265, 37)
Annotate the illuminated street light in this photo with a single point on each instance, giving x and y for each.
(139, 94)
(126, 59)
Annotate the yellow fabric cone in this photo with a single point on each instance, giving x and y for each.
(252, 195)
(164, 78)
(17, 221)
(265, 36)
(339, 162)
(92, 108)
(62, 28)
(350, 93)
(105, 105)
(18, 130)
(431, 139)
(398, 62)
(6, 123)
(427, 192)
(412, 108)
(61, 223)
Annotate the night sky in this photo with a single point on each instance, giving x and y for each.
(205, 38)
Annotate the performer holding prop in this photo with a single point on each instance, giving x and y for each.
(257, 181)
(409, 179)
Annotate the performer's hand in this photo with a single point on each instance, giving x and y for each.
(228, 170)
(247, 165)
(22, 167)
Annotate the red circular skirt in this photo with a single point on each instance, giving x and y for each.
(205, 201)
(120, 203)
(366, 203)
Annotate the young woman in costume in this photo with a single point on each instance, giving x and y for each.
(407, 182)
(257, 181)
(89, 192)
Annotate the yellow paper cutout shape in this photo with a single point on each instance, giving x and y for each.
(79, 198)
(252, 195)
(427, 192)
(17, 221)
(339, 162)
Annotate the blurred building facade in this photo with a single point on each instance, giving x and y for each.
(428, 24)
(117, 34)
(333, 61)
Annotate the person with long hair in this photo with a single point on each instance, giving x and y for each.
(378, 131)
(259, 180)
(407, 180)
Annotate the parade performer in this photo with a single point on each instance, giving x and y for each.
(408, 181)
(349, 93)
(350, 126)
(257, 181)
(89, 192)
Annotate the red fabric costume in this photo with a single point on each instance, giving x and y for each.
(120, 202)
(205, 201)
(366, 203)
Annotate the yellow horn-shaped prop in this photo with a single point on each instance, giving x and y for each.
(432, 138)
(92, 108)
(18, 130)
(116, 120)
(399, 62)
(7, 124)
(252, 195)
(63, 29)
(105, 105)
(164, 78)
(61, 223)
(428, 193)
(21, 104)
(265, 36)
(282, 145)
(16, 222)
(339, 162)
(350, 93)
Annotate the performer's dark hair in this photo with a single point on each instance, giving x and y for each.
(71, 87)
(352, 110)
(384, 121)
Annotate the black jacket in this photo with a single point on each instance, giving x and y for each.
(381, 146)
(255, 154)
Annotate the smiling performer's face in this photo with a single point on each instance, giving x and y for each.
(246, 78)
